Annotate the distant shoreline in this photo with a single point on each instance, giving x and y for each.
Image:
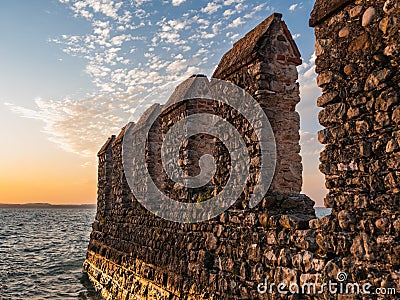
(94, 206)
(47, 206)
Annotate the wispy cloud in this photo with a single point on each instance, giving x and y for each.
(228, 12)
(236, 23)
(309, 92)
(211, 8)
(296, 36)
(75, 125)
(310, 146)
(177, 2)
(295, 6)
(86, 8)
(241, 7)
(259, 8)
(138, 3)
(132, 52)
(230, 2)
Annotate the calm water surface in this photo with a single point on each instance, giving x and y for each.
(42, 251)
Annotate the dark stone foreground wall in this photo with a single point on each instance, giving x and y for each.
(358, 56)
(134, 255)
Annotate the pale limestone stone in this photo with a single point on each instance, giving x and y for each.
(344, 32)
(391, 50)
(383, 25)
(391, 146)
(368, 16)
(355, 12)
(389, 6)
(396, 115)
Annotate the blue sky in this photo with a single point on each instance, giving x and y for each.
(72, 72)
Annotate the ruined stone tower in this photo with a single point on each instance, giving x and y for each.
(264, 64)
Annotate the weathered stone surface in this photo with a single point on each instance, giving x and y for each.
(384, 25)
(376, 78)
(383, 224)
(294, 221)
(349, 69)
(390, 6)
(327, 98)
(355, 11)
(361, 140)
(345, 219)
(277, 64)
(361, 42)
(326, 78)
(396, 115)
(324, 9)
(344, 32)
(332, 114)
(321, 45)
(305, 239)
(362, 247)
(368, 16)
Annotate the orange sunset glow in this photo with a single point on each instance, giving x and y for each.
(67, 83)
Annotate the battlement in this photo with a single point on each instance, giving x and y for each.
(133, 254)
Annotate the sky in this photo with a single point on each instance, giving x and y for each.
(73, 72)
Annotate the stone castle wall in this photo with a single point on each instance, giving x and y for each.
(133, 254)
(357, 50)
(270, 76)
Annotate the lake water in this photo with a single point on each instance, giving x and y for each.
(322, 211)
(42, 252)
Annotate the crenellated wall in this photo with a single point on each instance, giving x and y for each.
(133, 254)
(269, 74)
